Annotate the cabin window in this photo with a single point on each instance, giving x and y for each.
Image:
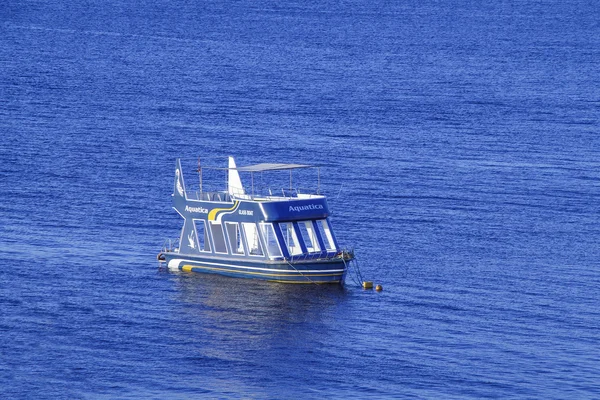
(325, 232)
(218, 237)
(289, 236)
(252, 240)
(202, 233)
(307, 231)
(235, 237)
(270, 240)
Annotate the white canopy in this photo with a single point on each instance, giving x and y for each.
(271, 167)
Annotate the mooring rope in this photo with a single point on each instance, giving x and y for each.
(310, 280)
(357, 268)
(354, 264)
(347, 265)
(348, 271)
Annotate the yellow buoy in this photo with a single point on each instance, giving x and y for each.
(367, 285)
(379, 288)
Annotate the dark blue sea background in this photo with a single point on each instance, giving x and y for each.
(459, 143)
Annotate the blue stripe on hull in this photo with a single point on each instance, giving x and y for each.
(330, 272)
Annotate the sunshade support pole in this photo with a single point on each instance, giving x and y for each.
(318, 180)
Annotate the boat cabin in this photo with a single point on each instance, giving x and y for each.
(281, 225)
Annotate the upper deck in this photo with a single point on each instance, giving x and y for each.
(254, 203)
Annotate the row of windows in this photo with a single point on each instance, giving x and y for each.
(307, 233)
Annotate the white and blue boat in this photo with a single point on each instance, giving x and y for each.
(285, 236)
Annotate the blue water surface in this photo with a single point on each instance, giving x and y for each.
(459, 143)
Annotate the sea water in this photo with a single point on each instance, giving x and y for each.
(459, 144)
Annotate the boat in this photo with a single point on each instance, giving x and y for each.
(283, 236)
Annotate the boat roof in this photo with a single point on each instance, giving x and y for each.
(271, 167)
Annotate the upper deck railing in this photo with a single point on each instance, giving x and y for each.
(265, 195)
(253, 190)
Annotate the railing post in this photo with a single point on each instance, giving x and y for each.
(318, 179)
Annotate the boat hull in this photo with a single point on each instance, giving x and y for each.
(308, 272)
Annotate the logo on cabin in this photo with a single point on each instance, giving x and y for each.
(217, 213)
(200, 210)
(192, 242)
(179, 187)
(308, 207)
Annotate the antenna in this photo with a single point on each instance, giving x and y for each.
(199, 170)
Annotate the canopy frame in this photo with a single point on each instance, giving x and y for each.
(262, 167)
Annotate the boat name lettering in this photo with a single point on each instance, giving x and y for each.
(201, 210)
(306, 207)
(246, 212)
